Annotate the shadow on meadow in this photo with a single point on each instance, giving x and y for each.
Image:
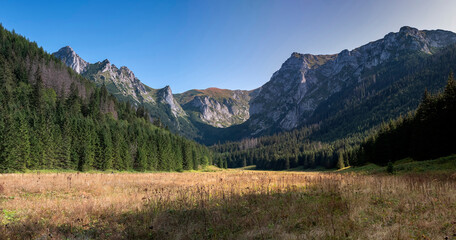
(287, 215)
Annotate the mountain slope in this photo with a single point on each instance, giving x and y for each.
(218, 108)
(305, 81)
(52, 118)
(122, 83)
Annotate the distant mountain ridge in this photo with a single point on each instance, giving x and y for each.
(307, 89)
(218, 109)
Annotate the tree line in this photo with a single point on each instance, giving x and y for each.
(287, 150)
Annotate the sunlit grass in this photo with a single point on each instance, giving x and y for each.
(230, 204)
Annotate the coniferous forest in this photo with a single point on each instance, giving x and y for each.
(428, 134)
(52, 118)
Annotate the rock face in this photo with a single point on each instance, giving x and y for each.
(166, 96)
(217, 107)
(304, 81)
(71, 59)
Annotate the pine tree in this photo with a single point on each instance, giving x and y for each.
(6, 82)
(195, 159)
(38, 92)
(141, 160)
(16, 145)
(106, 148)
(295, 161)
(287, 163)
(340, 160)
(186, 157)
(450, 89)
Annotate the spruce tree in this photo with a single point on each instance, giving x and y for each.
(340, 160)
(16, 144)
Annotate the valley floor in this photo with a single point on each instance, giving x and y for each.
(231, 204)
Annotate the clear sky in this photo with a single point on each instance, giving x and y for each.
(235, 44)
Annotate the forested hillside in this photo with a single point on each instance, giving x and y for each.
(428, 134)
(392, 89)
(52, 118)
(425, 134)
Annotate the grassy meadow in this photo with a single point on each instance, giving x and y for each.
(231, 204)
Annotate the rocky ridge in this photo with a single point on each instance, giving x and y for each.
(220, 111)
(304, 81)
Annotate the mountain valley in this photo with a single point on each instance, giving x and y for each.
(230, 120)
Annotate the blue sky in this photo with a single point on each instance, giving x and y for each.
(235, 44)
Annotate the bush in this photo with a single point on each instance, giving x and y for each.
(390, 168)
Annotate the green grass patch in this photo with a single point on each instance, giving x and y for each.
(250, 167)
(302, 169)
(208, 168)
(9, 216)
(408, 165)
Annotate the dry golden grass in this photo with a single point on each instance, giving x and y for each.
(227, 205)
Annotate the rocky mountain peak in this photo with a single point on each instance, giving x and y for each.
(71, 59)
(127, 72)
(306, 61)
(126, 69)
(409, 38)
(167, 89)
(106, 66)
(67, 49)
(166, 96)
(297, 93)
(409, 30)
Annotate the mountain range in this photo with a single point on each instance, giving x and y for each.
(347, 92)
